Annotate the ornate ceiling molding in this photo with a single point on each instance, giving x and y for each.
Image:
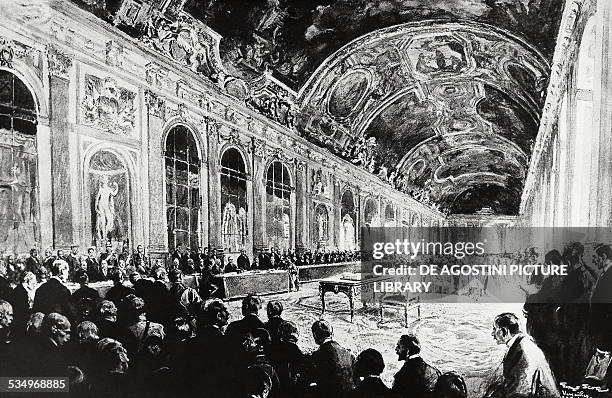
(382, 96)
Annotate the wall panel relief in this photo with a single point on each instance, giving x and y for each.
(108, 106)
(108, 182)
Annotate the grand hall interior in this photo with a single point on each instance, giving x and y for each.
(185, 186)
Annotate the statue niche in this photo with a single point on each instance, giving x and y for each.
(109, 198)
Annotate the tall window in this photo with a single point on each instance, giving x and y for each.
(321, 224)
(278, 206)
(389, 216)
(182, 189)
(371, 214)
(19, 216)
(234, 208)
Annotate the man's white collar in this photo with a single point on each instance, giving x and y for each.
(414, 356)
(512, 340)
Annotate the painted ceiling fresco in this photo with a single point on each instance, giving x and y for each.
(442, 111)
(293, 37)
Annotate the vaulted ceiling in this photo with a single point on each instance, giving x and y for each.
(293, 37)
(440, 98)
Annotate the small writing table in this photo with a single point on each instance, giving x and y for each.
(351, 286)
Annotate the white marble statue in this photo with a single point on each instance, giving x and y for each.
(105, 207)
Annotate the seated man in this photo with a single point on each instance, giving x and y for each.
(366, 373)
(416, 378)
(333, 364)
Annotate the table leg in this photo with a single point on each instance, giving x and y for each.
(322, 293)
(351, 304)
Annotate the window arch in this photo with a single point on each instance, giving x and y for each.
(371, 213)
(19, 208)
(348, 221)
(278, 206)
(234, 207)
(183, 200)
(321, 224)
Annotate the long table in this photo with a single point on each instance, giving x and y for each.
(103, 287)
(350, 285)
(235, 285)
(314, 272)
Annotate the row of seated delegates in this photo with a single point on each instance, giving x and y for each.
(97, 266)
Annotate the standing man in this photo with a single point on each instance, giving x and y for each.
(526, 372)
(34, 265)
(73, 260)
(333, 364)
(53, 296)
(416, 378)
(601, 300)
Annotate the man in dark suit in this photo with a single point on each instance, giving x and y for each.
(85, 299)
(601, 301)
(291, 364)
(416, 378)
(53, 296)
(34, 265)
(44, 356)
(274, 310)
(119, 291)
(107, 320)
(333, 364)
(201, 363)
(22, 301)
(93, 267)
(236, 330)
(243, 261)
(74, 260)
(366, 373)
(526, 372)
(5, 284)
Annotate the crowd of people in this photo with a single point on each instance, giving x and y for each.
(98, 265)
(148, 337)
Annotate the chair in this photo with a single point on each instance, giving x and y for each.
(401, 302)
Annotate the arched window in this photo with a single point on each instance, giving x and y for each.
(321, 225)
(389, 215)
(347, 223)
(234, 227)
(371, 214)
(19, 212)
(183, 201)
(278, 206)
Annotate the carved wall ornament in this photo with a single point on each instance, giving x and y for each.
(108, 106)
(187, 41)
(7, 52)
(259, 147)
(156, 104)
(300, 165)
(213, 128)
(59, 62)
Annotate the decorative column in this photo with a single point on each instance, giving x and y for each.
(60, 65)
(602, 112)
(214, 186)
(158, 231)
(301, 218)
(259, 151)
(335, 224)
